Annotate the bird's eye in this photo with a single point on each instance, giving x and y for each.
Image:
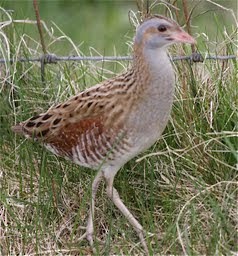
(162, 28)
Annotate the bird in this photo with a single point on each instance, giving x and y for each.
(106, 125)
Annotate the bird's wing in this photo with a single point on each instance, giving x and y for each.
(100, 106)
(86, 127)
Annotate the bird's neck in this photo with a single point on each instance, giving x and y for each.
(154, 61)
(152, 90)
(153, 67)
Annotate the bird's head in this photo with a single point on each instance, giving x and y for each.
(158, 31)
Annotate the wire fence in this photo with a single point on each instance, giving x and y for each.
(51, 58)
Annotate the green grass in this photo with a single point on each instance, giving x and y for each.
(183, 190)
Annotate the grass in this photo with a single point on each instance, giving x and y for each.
(183, 190)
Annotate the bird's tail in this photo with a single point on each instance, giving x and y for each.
(17, 128)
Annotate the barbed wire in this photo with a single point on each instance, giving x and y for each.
(51, 58)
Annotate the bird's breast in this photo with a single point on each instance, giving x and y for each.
(148, 119)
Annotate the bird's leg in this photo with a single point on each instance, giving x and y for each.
(114, 196)
(89, 229)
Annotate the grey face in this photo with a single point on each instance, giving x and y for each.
(156, 33)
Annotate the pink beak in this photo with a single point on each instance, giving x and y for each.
(183, 37)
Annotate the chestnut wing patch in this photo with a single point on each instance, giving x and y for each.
(85, 142)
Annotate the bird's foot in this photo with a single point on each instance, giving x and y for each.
(89, 237)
